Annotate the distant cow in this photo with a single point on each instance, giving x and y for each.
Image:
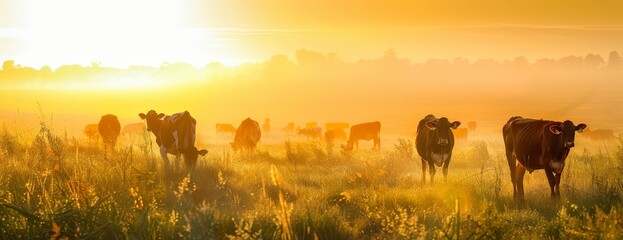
(311, 125)
(266, 126)
(91, 132)
(335, 125)
(247, 135)
(599, 134)
(289, 128)
(335, 134)
(175, 135)
(434, 143)
(538, 144)
(223, 128)
(313, 133)
(471, 125)
(133, 129)
(365, 131)
(109, 129)
(461, 134)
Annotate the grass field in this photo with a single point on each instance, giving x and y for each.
(56, 186)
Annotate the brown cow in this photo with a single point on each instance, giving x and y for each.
(599, 134)
(175, 135)
(289, 128)
(313, 133)
(434, 143)
(247, 135)
(538, 144)
(133, 129)
(460, 133)
(335, 134)
(335, 125)
(109, 129)
(471, 125)
(365, 131)
(91, 132)
(223, 128)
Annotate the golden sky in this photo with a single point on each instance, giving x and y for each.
(150, 32)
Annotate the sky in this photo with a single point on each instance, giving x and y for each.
(149, 32)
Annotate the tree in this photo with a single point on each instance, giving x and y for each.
(593, 61)
(614, 60)
(8, 65)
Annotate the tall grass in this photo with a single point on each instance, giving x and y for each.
(54, 186)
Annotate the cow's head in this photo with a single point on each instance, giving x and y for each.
(153, 120)
(440, 130)
(566, 132)
(191, 154)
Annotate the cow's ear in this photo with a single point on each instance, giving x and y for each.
(431, 125)
(202, 152)
(161, 115)
(580, 127)
(555, 129)
(455, 124)
(142, 115)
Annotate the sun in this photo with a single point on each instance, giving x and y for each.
(114, 32)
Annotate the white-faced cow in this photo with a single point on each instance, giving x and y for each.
(175, 135)
(538, 144)
(434, 143)
(365, 131)
(109, 129)
(247, 135)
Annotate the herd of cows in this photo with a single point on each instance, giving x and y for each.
(530, 144)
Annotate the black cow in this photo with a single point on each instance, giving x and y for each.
(538, 144)
(434, 143)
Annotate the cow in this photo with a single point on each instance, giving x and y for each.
(311, 125)
(311, 133)
(335, 125)
(133, 129)
(364, 131)
(289, 128)
(434, 143)
(109, 129)
(247, 136)
(175, 134)
(460, 133)
(331, 135)
(224, 128)
(599, 134)
(266, 126)
(538, 144)
(471, 125)
(91, 131)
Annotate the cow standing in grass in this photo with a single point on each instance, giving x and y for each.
(365, 131)
(434, 143)
(247, 135)
(175, 135)
(538, 144)
(109, 129)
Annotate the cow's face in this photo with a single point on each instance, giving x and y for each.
(566, 132)
(153, 119)
(440, 130)
(191, 155)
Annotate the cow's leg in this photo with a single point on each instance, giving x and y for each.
(177, 163)
(424, 165)
(377, 144)
(552, 182)
(431, 169)
(512, 165)
(356, 145)
(445, 169)
(518, 194)
(165, 159)
(557, 190)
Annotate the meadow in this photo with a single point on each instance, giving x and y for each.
(56, 186)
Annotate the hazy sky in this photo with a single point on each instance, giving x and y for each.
(120, 33)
